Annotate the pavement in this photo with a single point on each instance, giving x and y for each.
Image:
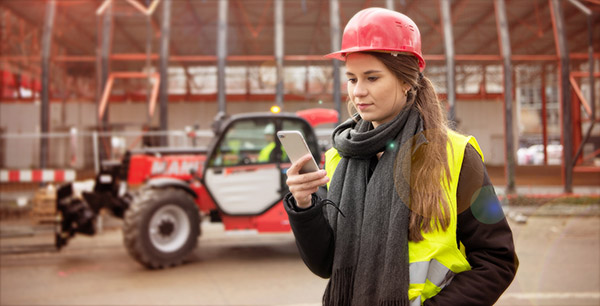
(558, 245)
(551, 202)
(559, 263)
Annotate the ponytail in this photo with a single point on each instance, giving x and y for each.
(429, 167)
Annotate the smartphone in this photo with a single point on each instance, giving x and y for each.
(296, 147)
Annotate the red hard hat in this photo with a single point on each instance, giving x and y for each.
(379, 29)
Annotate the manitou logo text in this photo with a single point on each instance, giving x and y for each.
(174, 168)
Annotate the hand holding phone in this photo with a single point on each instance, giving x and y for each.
(296, 147)
(306, 181)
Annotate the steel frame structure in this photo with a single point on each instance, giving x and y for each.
(129, 75)
(571, 96)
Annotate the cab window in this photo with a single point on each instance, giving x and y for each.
(247, 142)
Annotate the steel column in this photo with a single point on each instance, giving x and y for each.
(104, 35)
(45, 107)
(334, 24)
(222, 54)
(504, 41)
(590, 19)
(279, 51)
(577, 136)
(565, 92)
(389, 4)
(149, 37)
(591, 65)
(164, 65)
(450, 64)
(544, 115)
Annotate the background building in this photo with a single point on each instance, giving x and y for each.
(84, 80)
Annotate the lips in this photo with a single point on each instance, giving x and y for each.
(363, 106)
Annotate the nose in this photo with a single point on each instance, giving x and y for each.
(359, 89)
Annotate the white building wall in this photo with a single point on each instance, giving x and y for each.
(485, 121)
(19, 118)
(24, 118)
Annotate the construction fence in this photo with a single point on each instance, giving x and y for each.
(73, 155)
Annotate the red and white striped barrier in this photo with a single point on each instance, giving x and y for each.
(36, 175)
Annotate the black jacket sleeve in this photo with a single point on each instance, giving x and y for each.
(314, 236)
(488, 241)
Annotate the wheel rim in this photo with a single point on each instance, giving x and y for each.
(169, 228)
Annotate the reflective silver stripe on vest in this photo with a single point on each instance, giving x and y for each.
(431, 270)
(418, 272)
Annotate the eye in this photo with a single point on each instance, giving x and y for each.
(352, 80)
(372, 78)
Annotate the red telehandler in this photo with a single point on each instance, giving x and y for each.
(238, 180)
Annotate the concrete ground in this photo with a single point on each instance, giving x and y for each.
(559, 265)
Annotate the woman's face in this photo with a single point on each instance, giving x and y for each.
(373, 89)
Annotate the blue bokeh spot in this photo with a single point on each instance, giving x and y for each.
(486, 207)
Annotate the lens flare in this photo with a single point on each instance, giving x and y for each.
(485, 206)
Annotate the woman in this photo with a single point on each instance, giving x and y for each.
(413, 219)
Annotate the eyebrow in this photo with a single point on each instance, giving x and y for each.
(365, 73)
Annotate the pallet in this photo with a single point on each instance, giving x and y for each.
(44, 206)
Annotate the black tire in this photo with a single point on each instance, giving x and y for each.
(161, 227)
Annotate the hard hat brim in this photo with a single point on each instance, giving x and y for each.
(342, 54)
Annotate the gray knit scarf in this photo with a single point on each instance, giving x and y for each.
(370, 265)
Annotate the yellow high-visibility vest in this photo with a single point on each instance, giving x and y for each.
(437, 258)
(265, 154)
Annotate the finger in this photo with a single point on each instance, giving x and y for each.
(302, 189)
(306, 177)
(295, 168)
(298, 181)
(310, 185)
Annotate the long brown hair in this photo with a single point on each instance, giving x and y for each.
(428, 205)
